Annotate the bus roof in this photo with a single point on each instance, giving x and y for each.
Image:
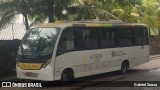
(89, 24)
(49, 25)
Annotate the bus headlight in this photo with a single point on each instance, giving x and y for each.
(47, 63)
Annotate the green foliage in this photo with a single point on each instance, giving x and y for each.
(125, 3)
(49, 9)
(151, 21)
(38, 11)
(158, 13)
(108, 5)
(15, 7)
(150, 14)
(7, 18)
(133, 11)
(88, 9)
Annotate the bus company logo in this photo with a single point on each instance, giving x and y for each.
(6, 84)
(113, 54)
(118, 53)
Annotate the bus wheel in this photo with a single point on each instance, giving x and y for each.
(124, 67)
(67, 75)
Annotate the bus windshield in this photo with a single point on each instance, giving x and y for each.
(39, 42)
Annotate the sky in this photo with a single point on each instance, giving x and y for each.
(19, 18)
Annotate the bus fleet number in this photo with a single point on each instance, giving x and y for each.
(96, 57)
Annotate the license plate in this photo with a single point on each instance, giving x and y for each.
(31, 74)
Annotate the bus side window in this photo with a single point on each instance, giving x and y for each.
(90, 38)
(125, 37)
(141, 36)
(107, 37)
(67, 41)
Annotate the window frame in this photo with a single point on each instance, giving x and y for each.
(111, 30)
(66, 51)
(122, 36)
(144, 30)
(80, 44)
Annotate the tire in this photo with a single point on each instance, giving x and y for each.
(67, 75)
(124, 68)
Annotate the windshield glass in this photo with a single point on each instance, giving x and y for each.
(39, 42)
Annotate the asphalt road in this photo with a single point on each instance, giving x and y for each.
(146, 72)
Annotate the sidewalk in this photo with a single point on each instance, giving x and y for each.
(151, 57)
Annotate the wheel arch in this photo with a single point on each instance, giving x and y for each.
(68, 69)
(127, 62)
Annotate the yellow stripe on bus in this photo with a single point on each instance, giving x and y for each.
(85, 60)
(98, 25)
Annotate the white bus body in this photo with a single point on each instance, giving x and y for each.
(83, 49)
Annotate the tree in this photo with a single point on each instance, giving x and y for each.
(135, 11)
(120, 8)
(148, 14)
(15, 7)
(89, 10)
(76, 10)
(44, 10)
(50, 10)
